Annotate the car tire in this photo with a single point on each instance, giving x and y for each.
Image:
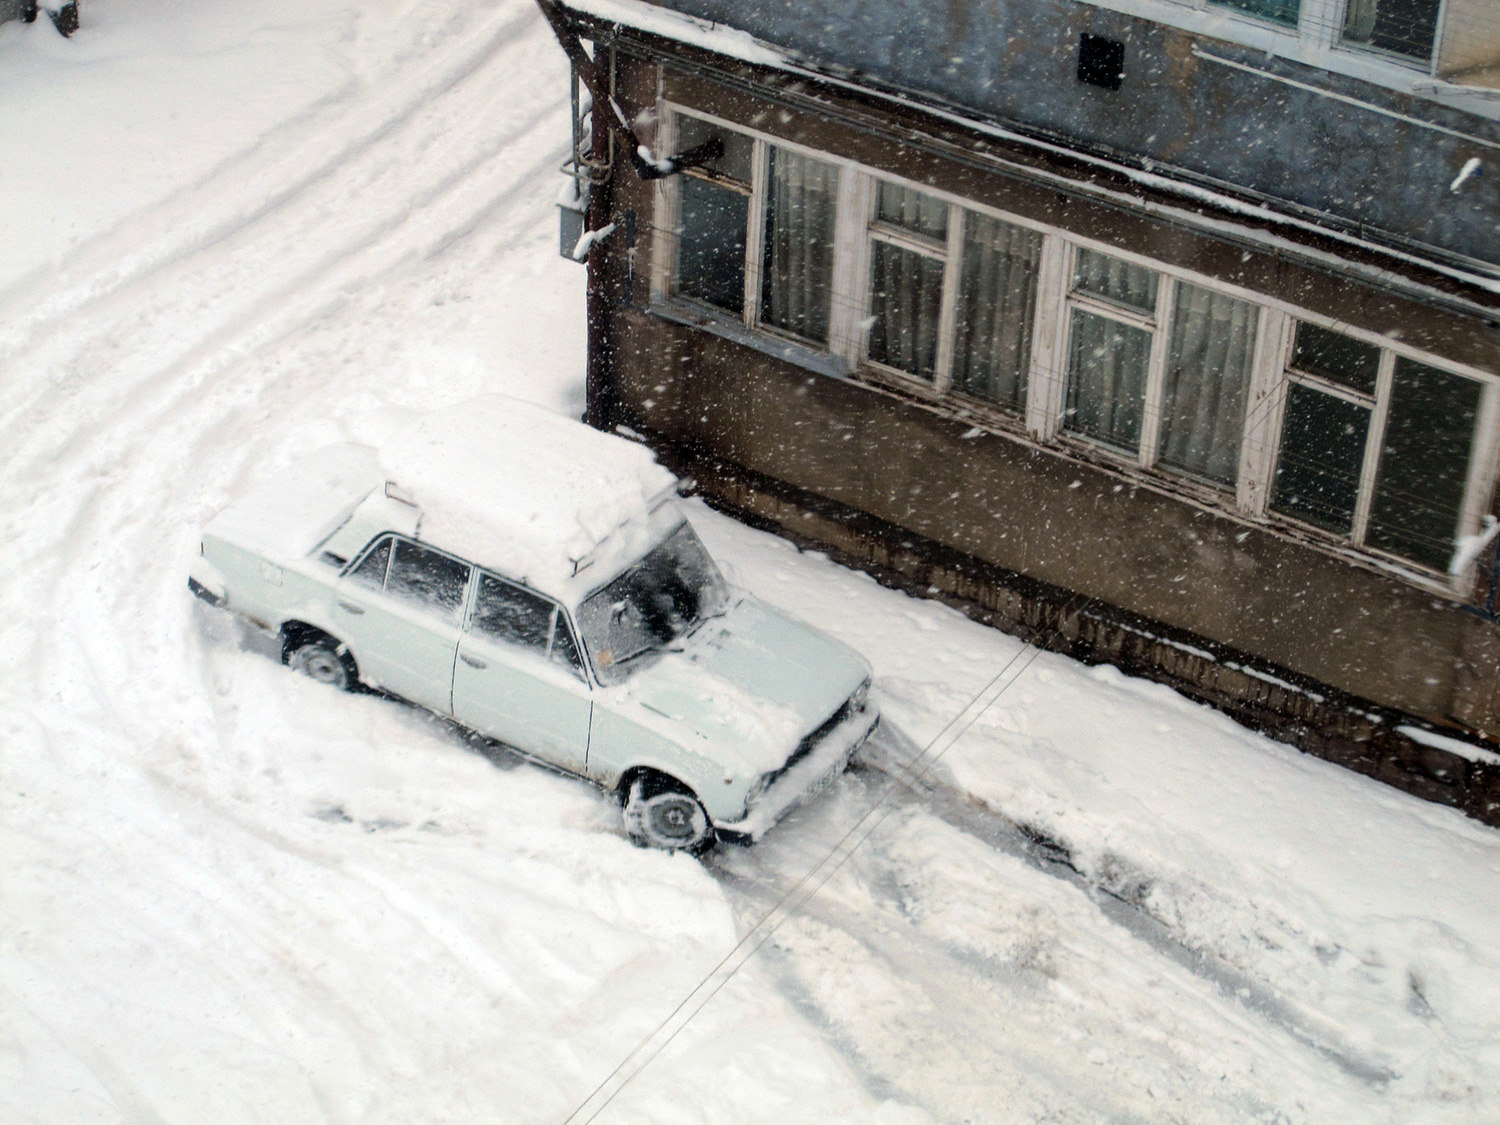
(661, 812)
(323, 659)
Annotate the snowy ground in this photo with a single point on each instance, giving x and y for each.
(239, 229)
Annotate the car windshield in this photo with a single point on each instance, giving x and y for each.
(660, 599)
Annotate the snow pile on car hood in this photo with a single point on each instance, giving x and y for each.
(511, 485)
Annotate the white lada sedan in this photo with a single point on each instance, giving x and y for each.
(539, 582)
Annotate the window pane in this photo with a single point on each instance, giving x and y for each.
(1115, 280)
(507, 613)
(1322, 451)
(1208, 373)
(1336, 357)
(915, 210)
(800, 206)
(711, 244)
(1406, 27)
(1424, 464)
(996, 307)
(906, 299)
(1279, 11)
(428, 579)
(738, 149)
(1107, 380)
(371, 569)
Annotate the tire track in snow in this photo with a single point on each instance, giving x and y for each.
(412, 141)
(255, 182)
(466, 952)
(426, 209)
(1025, 1012)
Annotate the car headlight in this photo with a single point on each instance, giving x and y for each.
(757, 791)
(860, 697)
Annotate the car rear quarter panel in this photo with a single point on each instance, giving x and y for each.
(268, 592)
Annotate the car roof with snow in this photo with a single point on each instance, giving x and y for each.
(500, 482)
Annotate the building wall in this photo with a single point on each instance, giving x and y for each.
(1042, 512)
(1016, 61)
(1032, 511)
(1464, 339)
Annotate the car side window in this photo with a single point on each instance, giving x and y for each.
(514, 615)
(507, 613)
(371, 569)
(428, 579)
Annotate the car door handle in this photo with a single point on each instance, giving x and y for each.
(472, 661)
(351, 607)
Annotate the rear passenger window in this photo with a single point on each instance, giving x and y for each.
(510, 614)
(428, 579)
(371, 570)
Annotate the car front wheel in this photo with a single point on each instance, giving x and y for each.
(320, 659)
(663, 813)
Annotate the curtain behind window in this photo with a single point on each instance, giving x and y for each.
(1407, 27)
(1115, 279)
(996, 309)
(1208, 375)
(1107, 380)
(914, 210)
(798, 281)
(906, 300)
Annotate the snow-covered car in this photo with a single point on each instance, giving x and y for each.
(538, 581)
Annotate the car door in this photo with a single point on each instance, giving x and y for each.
(400, 610)
(519, 676)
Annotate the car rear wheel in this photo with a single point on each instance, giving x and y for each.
(319, 658)
(661, 812)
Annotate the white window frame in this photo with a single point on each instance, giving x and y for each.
(1339, 10)
(1041, 418)
(946, 251)
(1482, 447)
(1252, 478)
(1154, 323)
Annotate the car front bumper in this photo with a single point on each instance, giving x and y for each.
(803, 778)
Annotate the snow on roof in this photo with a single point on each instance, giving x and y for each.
(532, 494)
(716, 37)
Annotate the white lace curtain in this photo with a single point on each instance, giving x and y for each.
(1207, 378)
(1107, 380)
(996, 309)
(800, 209)
(906, 299)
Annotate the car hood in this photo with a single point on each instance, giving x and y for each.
(750, 684)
